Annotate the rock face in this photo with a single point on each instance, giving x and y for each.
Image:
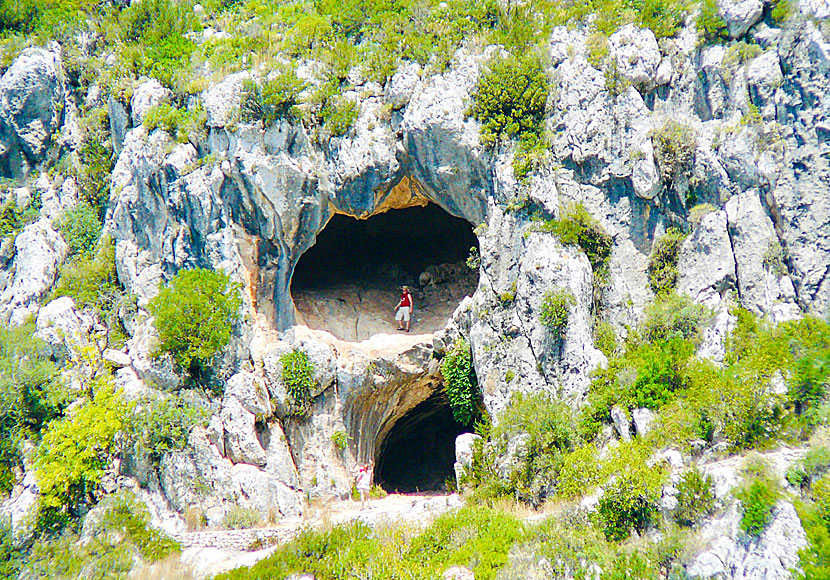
(38, 251)
(31, 109)
(251, 199)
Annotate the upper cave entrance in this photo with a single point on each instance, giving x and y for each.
(349, 282)
(418, 453)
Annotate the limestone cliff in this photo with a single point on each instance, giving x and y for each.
(250, 199)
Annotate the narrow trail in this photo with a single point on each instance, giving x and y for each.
(212, 552)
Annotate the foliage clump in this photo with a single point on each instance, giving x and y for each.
(555, 310)
(183, 124)
(695, 497)
(74, 455)
(162, 425)
(630, 500)
(119, 537)
(31, 395)
(460, 381)
(81, 229)
(757, 500)
(509, 101)
(577, 227)
(298, 377)
(662, 264)
(674, 149)
(194, 314)
(548, 433)
(510, 98)
(271, 99)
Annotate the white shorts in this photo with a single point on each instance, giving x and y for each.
(402, 314)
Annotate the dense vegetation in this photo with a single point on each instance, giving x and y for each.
(194, 314)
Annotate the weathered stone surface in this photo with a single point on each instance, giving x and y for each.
(31, 105)
(643, 419)
(249, 389)
(705, 264)
(38, 251)
(621, 422)
(241, 442)
(637, 55)
(740, 15)
(221, 101)
(147, 95)
(751, 233)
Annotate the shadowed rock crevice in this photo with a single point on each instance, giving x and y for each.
(349, 281)
(418, 452)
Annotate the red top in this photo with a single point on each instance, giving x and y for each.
(406, 299)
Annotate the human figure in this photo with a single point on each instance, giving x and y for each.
(364, 482)
(404, 309)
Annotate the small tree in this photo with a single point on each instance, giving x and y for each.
(194, 314)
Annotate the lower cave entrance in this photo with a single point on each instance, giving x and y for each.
(418, 453)
(349, 282)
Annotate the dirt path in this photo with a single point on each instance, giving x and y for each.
(209, 553)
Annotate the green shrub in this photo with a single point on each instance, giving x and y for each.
(531, 153)
(605, 338)
(695, 497)
(340, 439)
(630, 500)
(14, 218)
(774, 259)
(31, 394)
(510, 98)
(674, 149)
(74, 454)
(128, 519)
(710, 26)
(81, 229)
(96, 162)
(193, 314)
(662, 264)
(815, 558)
(339, 115)
(477, 537)
(781, 10)
(660, 368)
(460, 381)
(273, 99)
(556, 309)
(808, 340)
(577, 227)
(160, 426)
(757, 501)
(579, 473)
(11, 555)
(92, 282)
(239, 518)
(119, 539)
(298, 376)
(673, 316)
(550, 433)
(183, 125)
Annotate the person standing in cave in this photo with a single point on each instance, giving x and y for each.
(364, 482)
(404, 309)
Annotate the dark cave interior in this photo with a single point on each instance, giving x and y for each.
(418, 453)
(393, 247)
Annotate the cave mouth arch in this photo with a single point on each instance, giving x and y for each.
(349, 281)
(418, 452)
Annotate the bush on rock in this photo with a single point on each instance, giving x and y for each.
(194, 314)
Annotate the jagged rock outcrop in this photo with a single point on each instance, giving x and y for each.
(31, 109)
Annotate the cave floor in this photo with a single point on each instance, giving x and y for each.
(358, 310)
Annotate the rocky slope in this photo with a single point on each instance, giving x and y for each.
(250, 199)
